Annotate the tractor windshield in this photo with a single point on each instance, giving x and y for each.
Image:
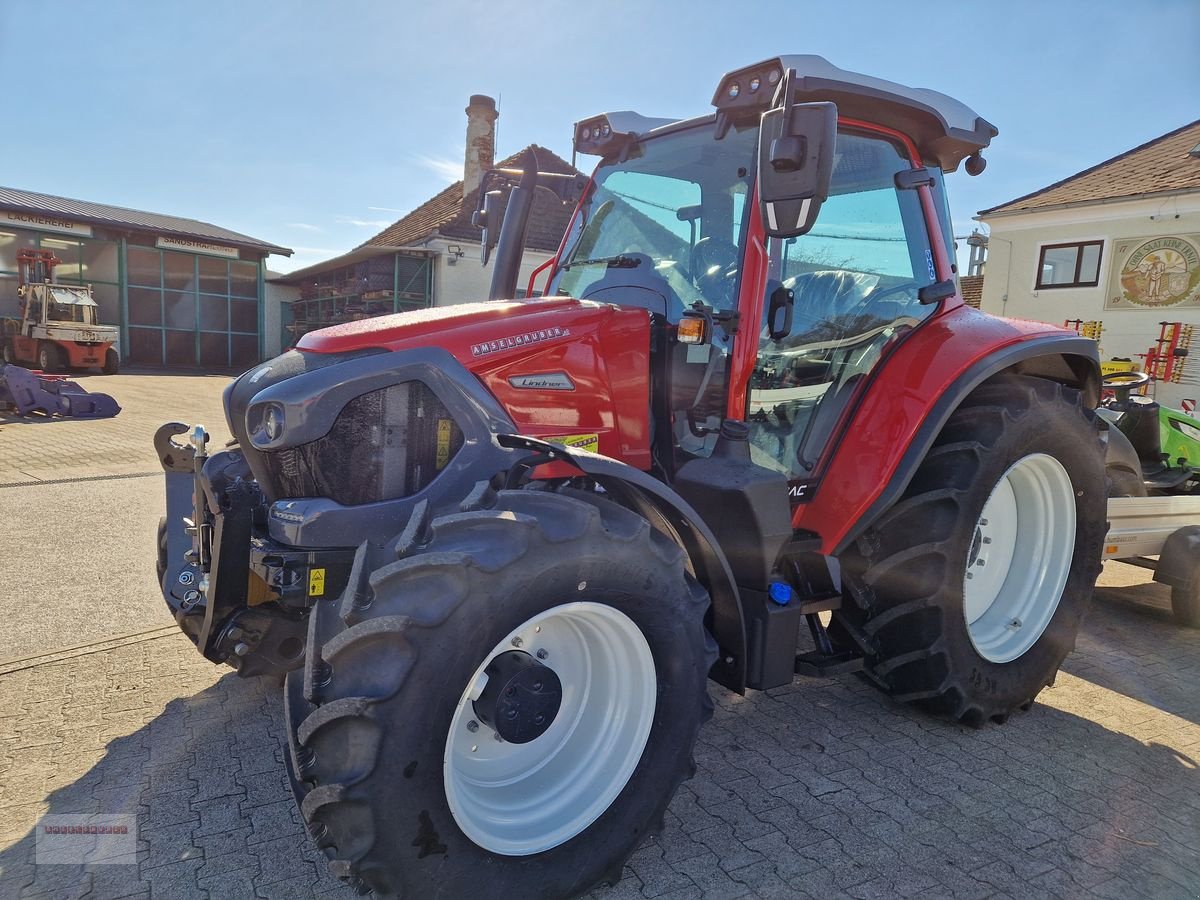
(662, 228)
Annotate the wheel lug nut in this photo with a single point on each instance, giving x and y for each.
(472, 726)
(987, 540)
(539, 719)
(980, 562)
(969, 576)
(537, 685)
(542, 654)
(517, 642)
(983, 522)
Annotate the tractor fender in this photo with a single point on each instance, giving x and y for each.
(671, 514)
(1179, 561)
(1062, 357)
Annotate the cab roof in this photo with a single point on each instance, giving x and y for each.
(944, 130)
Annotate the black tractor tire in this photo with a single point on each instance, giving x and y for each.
(1185, 604)
(112, 362)
(388, 664)
(48, 357)
(905, 578)
(160, 562)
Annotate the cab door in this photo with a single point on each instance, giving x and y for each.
(854, 282)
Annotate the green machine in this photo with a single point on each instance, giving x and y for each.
(1165, 442)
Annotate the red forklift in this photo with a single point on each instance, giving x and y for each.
(59, 326)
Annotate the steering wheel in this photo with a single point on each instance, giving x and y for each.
(1122, 384)
(711, 263)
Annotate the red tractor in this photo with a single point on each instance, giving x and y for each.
(499, 548)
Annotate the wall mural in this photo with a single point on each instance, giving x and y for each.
(1152, 272)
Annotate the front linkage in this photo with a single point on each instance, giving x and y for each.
(240, 596)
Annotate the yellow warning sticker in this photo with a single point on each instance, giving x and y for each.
(589, 442)
(316, 582)
(443, 443)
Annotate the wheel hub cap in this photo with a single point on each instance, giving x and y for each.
(521, 698)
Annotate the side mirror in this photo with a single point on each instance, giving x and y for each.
(488, 219)
(779, 313)
(796, 144)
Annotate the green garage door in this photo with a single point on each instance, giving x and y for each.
(190, 310)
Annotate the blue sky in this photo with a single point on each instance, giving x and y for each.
(313, 125)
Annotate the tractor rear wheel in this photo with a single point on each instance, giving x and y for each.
(1185, 605)
(968, 594)
(505, 710)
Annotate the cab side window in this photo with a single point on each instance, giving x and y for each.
(854, 279)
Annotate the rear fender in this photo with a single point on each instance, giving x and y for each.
(1057, 357)
(672, 515)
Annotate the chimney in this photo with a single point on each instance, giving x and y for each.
(481, 141)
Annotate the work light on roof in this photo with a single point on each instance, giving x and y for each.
(733, 90)
(755, 84)
(611, 133)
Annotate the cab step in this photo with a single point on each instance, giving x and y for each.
(816, 664)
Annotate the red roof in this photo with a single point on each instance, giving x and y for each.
(1157, 166)
(449, 215)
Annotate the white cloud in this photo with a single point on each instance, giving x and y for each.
(303, 226)
(362, 223)
(450, 170)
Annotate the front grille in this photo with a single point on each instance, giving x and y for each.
(384, 445)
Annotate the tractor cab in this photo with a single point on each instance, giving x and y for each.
(786, 244)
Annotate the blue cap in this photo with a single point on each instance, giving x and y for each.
(779, 592)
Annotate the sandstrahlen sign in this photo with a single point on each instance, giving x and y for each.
(43, 222)
(191, 246)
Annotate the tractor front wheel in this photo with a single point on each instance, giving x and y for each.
(10, 355)
(112, 362)
(968, 594)
(506, 709)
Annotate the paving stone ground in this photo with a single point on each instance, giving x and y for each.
(820, 789)
(37, 449)
(824, 788)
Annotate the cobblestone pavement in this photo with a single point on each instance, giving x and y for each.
(37, 449)
(824, 788)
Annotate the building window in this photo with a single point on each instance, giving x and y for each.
(1069, 265)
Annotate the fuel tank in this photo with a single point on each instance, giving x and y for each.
(566, 370)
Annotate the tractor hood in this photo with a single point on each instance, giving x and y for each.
(561, 367)
(464, 326)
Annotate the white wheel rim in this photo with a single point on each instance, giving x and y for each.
(1020, 558)
(518, 799)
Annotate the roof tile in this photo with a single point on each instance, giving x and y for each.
(1162, 164)
(448, 214)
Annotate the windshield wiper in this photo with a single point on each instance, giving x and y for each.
(613, 262)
